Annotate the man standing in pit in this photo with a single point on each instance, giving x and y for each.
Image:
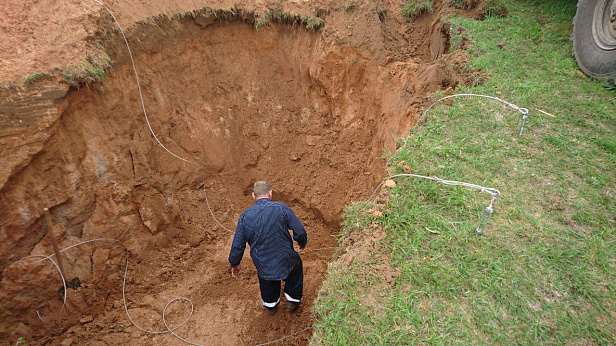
(265, 226)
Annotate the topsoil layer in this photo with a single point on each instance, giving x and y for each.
(310, 111)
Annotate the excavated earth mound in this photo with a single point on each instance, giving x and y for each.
(312, 111)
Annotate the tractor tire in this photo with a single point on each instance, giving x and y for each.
(594, 39)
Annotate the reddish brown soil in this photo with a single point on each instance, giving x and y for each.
(309, 111)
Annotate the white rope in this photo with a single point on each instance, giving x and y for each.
(145, 114)
(147, 120)
(483, 220)
(519, 109)
(70, 247)
(39, 316)
(494, 192)
(141, 328)
(192, 308)
(59, 271)
(524, 111)
(212, 213)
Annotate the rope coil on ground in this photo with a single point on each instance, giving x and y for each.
(164, 313)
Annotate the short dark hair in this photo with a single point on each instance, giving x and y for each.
(261, 188)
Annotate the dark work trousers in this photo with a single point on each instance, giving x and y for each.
(293, 287)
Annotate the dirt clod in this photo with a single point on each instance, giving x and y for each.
(390, 183)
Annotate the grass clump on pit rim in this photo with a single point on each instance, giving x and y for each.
(544, 272)
(271, 15)
(32, 78)
(261, 22)
(88, 72)
(495, 8)
(187, 14)
(413, 8)
(313, 23)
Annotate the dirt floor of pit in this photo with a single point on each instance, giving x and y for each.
(309, 111)
(191, 262)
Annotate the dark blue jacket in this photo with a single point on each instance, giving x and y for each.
(265, 226)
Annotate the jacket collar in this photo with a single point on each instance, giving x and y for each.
(262, 200)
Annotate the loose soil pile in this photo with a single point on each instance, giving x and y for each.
(310, 111)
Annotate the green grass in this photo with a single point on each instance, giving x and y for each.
(32, 78)
(544, 272)
(88, 72)
(348, 7)
(413, 8)
(313, 23)
(382, 13)
(261, 22)
(187, 14)
(496, 8)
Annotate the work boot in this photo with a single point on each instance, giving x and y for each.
(292, 307)
(271, 311)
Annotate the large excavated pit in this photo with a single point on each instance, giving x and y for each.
(310, 111)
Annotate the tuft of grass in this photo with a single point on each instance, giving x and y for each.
(313, 23)
(348, 7)
(232, 12)
(261, 22)
(275, 13)
(88, 72)
(187, 14)
(32, 78)
(356, 216)
(413, 8)
(21, 342)
(544, 272)
(459, 4)
(495, 8)
(382, 13)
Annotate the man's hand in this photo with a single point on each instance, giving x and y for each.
(235, 271)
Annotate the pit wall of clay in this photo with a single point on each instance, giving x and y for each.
(311, 111)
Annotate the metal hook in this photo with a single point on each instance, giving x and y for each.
(524, 117)
(485, 218)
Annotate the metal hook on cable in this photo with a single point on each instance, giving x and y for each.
(485, 218)
(524, 117)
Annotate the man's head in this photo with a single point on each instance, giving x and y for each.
(261, 189)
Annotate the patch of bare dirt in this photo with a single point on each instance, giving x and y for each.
(310, 111)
